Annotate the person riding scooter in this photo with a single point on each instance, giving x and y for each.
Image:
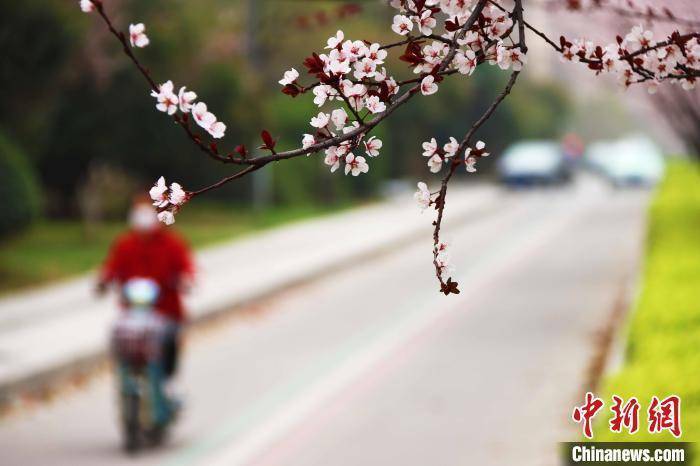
(149, 250)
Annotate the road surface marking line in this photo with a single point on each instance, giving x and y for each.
(351, 364)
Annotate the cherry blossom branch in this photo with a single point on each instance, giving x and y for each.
(264, 159)
(449, 286)
(614, 57)
(210, 151)
(476, 32)
(411, 38)
(632, 11)
(246, 171)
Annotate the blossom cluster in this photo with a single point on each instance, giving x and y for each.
(167, 200)
(442, 259)
(437, 156)
(639, 58)
(486, 39)
(351, 73)
(169, 102)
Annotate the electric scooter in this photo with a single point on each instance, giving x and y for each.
(137, 342)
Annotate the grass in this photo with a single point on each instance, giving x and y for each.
(54, 250)
(663, 352)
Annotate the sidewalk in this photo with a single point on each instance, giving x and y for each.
(50, 332)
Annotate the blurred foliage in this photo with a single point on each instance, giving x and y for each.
(57, 249)
(72, 101)
(18, 189)
(665, 327)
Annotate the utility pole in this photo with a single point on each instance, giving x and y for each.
(262, 179)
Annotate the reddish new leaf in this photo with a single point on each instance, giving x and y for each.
(269, 143)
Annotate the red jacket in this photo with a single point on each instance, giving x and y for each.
(160, 255)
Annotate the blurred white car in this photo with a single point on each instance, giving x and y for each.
(534, 163)
(634, 161)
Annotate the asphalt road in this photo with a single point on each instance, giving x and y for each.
(372, 366)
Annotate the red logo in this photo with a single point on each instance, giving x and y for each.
(662, 414)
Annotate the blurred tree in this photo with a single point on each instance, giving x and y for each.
(52, 114)
(36, 43)
(18, 189)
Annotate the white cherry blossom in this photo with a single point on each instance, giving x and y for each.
(372, 146)
(338, 64)
(480, 146)
(451, 147)
(365, 68)
(473, 40)
(320, 121)
(442, 259)
(332, 158)
(308, 140)
(202, 116)
(375, 53)
(334, 41)
(508, 57)
(159, 194)
(321, 94)
(87, 6)
(435, 163)
(471, 155)
(393, 86)
(466, 62)
(167, 217)
(178, 196)
(186, 99)
(137, 35)
(435, 52)
(355, 94)
(380, 75)
(422, 196)
(289, 77)
(167, 100)
(375, 105)
(402, 25)
(354, 49)
(430, 148)
(339, 117)
(355, 164)
(639, 37)
(426, 22)
(217, 129)
(688, 84)
(428, 86)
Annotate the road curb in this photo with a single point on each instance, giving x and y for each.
(42, 384)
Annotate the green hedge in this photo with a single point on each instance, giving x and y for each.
(663, 352)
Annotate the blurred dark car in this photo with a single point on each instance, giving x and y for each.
(630, 162)
(534, 163)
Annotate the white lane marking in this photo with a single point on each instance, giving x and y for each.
(305, 402)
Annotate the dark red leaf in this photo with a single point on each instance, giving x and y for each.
(451, 26)
(267, 139)
(314, 64)
(449, 287)
(291, 90)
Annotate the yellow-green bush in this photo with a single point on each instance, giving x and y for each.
(663, 350)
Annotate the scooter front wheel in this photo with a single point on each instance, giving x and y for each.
(132, 428)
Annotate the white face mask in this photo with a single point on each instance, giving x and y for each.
(143, 218)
